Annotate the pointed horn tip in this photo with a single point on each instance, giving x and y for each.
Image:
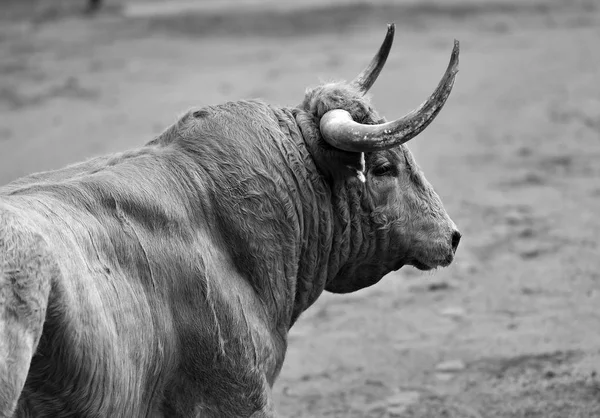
(365, 80)
(389, 36)
(456, 49)
(454, 57)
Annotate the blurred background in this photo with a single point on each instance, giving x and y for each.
(512, 329)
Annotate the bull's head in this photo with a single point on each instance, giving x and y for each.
(394, 215)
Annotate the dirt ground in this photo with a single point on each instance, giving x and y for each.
(512, 329)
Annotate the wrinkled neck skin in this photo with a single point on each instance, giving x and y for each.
(352, 255)
(343, 238)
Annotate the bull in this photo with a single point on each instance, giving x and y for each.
(163, 281)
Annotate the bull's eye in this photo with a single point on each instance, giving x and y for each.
(383, 170)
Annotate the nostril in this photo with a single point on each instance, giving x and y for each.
(455, 240)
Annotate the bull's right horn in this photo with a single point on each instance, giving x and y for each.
(365, 80)
(340, 131)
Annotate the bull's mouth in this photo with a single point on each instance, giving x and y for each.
(421, 266)
(433, 264)
(415, 263)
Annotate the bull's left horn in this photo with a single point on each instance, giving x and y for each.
(365, 80)
(340, 131)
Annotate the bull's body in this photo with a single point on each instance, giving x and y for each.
(162, 282)
(163, 256)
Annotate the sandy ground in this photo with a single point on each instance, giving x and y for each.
(511, 329)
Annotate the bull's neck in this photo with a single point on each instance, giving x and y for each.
(333, 234)
(334, 241)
